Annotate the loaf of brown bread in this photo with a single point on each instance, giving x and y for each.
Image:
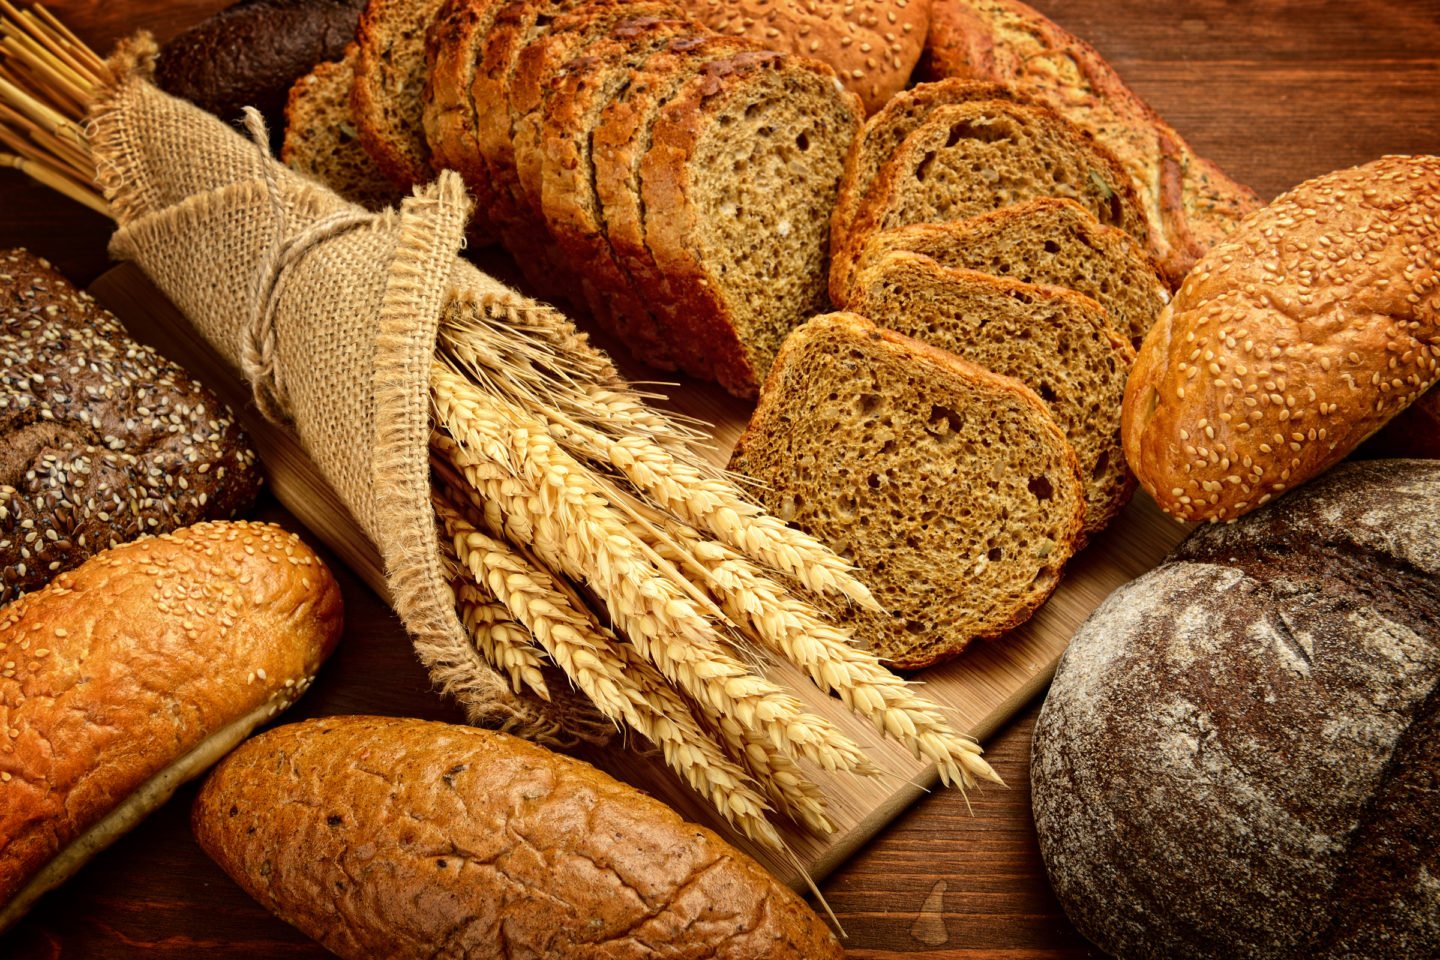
(101, 439)
(1302, 334)
(1190, 202)
(389, 81)
(124, 678)
(951, 488)
(396, 838)
(1238, 755)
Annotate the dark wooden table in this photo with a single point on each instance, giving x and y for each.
(1274, 91)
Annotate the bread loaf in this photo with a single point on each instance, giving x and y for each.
(1237, 757)
(405, 838)
(1191, 204)
(389, 81)
(951, 488)
(101, 439)
(1302, 334)
(128, 676)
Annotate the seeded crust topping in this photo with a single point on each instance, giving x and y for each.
(103, 439)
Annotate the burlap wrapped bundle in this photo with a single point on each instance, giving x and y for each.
(332, 312)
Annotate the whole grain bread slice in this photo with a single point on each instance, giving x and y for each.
(389, 82)
(738, 187)
(969, 158)
(1050, 241)
(1057, 342)
(321, 140)
(949, 486)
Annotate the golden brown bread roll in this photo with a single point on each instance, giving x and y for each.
(129, 675)
(1291, 342)
(395, 838)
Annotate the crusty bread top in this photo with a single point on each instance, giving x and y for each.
(1314, 324)
(118, 668)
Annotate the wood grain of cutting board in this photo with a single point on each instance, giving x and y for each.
(981, 689)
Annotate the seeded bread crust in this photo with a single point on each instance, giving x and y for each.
(739, 336)
(389, 81)
(872, 45)
(1191, 203)
(1057, 342)
(102, 440)
(569, 200)
(969, 158)
(1049, 241)
(950, 486)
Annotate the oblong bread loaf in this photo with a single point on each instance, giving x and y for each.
(408, 838)
(131, 674)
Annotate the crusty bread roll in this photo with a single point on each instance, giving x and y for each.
(1312, 325)
(397, 838)
(129, 675)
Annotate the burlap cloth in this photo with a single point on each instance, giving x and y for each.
(334, 313)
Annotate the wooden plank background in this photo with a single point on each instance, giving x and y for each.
(1274, 91)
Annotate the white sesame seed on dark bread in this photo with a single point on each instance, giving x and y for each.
(101, 439)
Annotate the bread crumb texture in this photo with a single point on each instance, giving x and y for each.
(121, 666)
(1290, 343)
(1237, 757)
(408, 838)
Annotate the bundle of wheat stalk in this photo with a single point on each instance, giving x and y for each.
(585, 530)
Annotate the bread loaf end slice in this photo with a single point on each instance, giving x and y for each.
(950, 487)
(1057, 342)
(389, 82)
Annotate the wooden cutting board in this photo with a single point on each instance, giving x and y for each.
(981, 689)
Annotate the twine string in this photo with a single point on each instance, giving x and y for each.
(258, 357)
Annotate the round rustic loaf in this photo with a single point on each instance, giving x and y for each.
(1238, 756)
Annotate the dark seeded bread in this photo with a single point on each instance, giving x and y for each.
(568, 198)
(1057, 342)
(389, 81)
(321, 139)
(738, 186)
(1049, 241)
(618, 143)
(969, 158)
(950, 487)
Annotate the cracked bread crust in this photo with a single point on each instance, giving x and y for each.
(409, 838)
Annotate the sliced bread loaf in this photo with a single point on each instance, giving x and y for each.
(738, 186)
(389, 81)
(950, 487)
(1057, 342)
(969, 158)
(321, 140)
(1050, 241)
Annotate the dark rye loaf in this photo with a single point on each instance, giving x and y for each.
(1238, 755)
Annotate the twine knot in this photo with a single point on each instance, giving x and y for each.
(258, 356)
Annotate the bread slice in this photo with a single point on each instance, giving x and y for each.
(569, 201)
(619, 141)
(1057, 342)
(950, 487)
(389, 81)
(321, 140)
(738, 186)
(969, 158)
(1049, 241)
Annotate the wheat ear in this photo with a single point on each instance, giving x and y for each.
(501, 640)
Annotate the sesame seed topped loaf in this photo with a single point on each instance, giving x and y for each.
(1050, 241)
(872, 44)
(101, 439)
(738, 186)
(321, 140)
(1314, 324)
(389, 81)
(950, 487)
(1191, 203)
(969, 158)
(1057, 342)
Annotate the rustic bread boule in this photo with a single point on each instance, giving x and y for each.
(389, 81)
(407, 839)
(950, 487)
(1302, 334)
